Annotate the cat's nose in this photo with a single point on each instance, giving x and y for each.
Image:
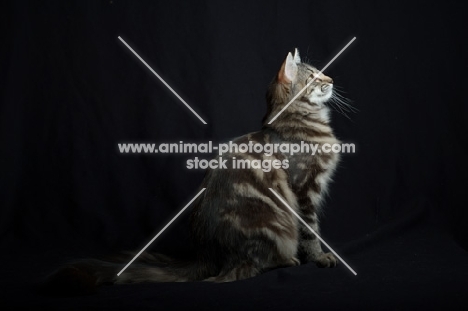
(331, 81)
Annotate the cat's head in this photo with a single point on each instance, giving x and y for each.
(293, 76)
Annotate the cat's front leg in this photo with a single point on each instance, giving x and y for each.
(309, 244)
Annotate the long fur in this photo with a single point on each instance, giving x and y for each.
(239, 228)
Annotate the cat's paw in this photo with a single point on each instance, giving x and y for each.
(294, 262)
(326, 260)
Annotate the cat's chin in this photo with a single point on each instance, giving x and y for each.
(321, 99)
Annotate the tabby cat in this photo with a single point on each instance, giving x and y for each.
(239, 228)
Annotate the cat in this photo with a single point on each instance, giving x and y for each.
(239, 228)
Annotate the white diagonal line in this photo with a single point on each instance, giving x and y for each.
(164, 82)
(308, 84)
(302, 220)
(152, 240)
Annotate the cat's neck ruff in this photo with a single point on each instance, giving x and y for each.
(301, 123)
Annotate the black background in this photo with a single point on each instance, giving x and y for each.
(73, 91)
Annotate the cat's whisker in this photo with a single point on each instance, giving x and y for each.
(337, 92)
(339, 110)
(341, 107)
(337, 100)
(343, 101)
(345, 105)
(340, 88)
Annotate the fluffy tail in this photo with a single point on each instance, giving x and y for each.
(85, 276)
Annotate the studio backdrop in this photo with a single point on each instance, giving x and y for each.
(73, 91)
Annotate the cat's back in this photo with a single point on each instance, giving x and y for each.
(238, 195)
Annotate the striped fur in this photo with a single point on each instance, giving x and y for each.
(239, 228)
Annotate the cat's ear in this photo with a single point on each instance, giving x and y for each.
(288, 70)
(297, 57)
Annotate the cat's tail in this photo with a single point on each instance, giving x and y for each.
(83, 277)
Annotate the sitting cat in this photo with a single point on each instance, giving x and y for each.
(239, 227)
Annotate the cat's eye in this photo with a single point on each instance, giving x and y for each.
(311, 77)
(318, 79)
